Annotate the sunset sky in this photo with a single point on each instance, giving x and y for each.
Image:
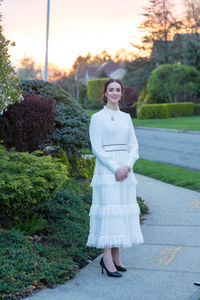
(76, 27)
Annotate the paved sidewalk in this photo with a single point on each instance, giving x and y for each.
(163, 268)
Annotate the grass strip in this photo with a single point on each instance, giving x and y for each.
(170, 174)
(180, 123)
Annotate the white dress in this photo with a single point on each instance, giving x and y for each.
(114, 213)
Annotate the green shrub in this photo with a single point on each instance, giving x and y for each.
(26, 180)
(82, 167)
(71, 121)
(153, 111)
(94, 88)
(25, 267)
(197, 109)
(166, 110)
(173, 83)
(180, 109)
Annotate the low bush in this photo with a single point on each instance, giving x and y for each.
(27, 124)
(165, 110)
(26, 181)
(82, 167)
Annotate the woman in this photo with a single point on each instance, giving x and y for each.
(114, 214)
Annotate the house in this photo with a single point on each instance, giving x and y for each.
(109, 68)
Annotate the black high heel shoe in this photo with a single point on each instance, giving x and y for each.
(120, 268)
(111, 274)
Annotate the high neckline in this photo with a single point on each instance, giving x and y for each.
(110, 109)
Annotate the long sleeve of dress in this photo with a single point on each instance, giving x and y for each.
(95, 131)
(133, 154)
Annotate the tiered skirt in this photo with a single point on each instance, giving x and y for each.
(114, 214)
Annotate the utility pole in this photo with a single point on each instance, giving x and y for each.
(47, 41)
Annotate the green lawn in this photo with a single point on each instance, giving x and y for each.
(170, 174)
(181, 123)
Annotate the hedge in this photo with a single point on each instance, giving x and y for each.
(94, 88)
(166, 110)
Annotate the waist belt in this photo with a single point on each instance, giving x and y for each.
(115, 147)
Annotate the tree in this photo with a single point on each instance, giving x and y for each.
(27, 69)
(192, 22)
(159, 27)
(10, 91)
(138, 72)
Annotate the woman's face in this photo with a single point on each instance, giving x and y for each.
(113, 92)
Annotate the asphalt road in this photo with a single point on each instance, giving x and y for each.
(175, 148)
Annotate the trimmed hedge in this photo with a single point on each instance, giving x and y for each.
(94, 88)
(27, 180)
(27, 124)
(166, 110)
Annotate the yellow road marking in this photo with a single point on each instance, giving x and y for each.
(194, 203)
(166, 256)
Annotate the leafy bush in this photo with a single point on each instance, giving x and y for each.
(26, 180)
(71, 122)
(27, 124)
(166, 110)
(10, 91)
(153, 111)
(94, 88)
(173, 83)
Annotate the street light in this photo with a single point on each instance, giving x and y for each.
(47, 41)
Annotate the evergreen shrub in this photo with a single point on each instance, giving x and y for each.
(26, 181)
(71, 121)
(27, 124)
(94, 88)
(165, 110)
(26, 266)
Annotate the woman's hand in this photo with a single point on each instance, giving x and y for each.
(121, 173)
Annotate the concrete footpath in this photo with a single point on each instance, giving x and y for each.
(163, 268)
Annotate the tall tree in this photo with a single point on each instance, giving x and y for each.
(192, 22)
(159, 27)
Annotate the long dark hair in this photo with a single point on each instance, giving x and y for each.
(103, 97)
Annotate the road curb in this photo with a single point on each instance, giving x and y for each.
(167, 130)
